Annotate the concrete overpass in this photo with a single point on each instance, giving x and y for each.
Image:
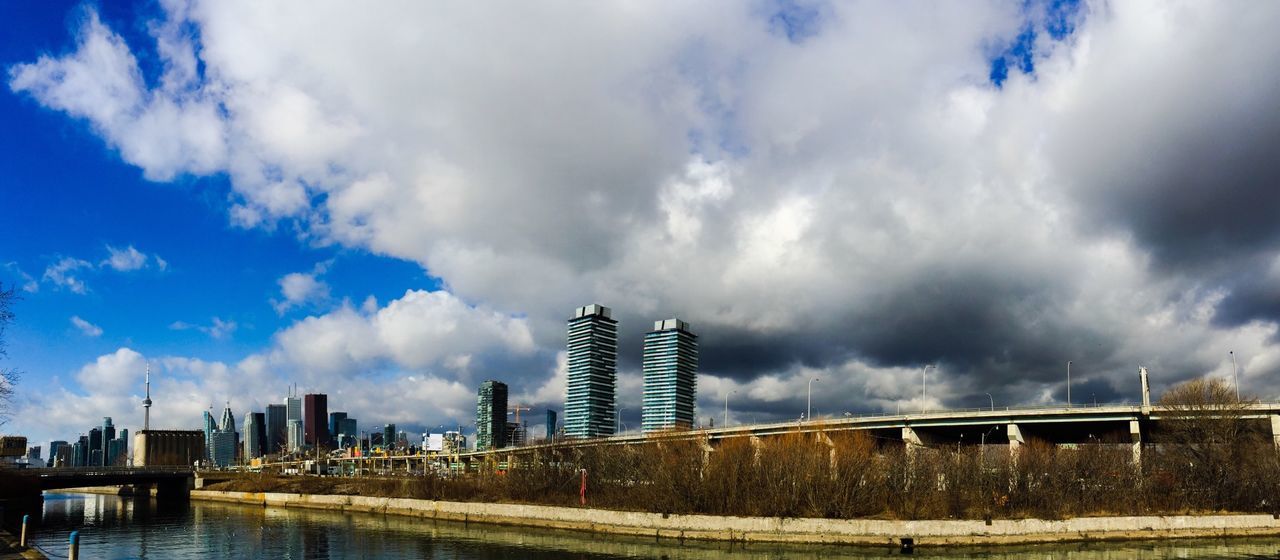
(1131, 424)
(169, 482)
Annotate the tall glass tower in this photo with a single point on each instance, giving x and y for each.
(593, 373)
(491, 416)
(670, 376)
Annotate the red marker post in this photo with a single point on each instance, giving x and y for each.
(582, 493)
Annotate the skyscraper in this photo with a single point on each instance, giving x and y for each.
(228, 423)
(551, 424)
(210, 426)
(315, 415)
(55, 447)
(224, 448)
(276, 422)
(348, 432)
(593, 373)
(491, 416)
(335, 426)
(389, 436)
(293, 407)
(108, 434)
(254, 431)
(297, 436)
(670, 376)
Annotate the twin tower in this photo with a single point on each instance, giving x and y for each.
(670, 375)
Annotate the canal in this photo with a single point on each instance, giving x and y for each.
(115, 527)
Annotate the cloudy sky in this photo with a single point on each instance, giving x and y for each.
(391, 203)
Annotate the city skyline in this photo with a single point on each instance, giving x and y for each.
(1001, 189)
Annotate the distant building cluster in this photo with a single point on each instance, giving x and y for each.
(101, 447)
(670, 366)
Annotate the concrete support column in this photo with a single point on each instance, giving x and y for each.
(911, 438)
(1135, 436)
(1275, 429)
(1015, 438)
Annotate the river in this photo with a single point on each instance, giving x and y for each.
(115, 527)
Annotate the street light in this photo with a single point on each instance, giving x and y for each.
(726, 408)
(993, 401)
(1235, 375)
(1068, 383)
(808, 408)
(923, 375)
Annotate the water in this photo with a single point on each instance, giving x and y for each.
(114, 527)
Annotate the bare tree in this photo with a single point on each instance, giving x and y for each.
(8, 376)
(1209, 440)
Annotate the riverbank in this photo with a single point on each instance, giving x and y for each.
(9, 549)
(777, 529)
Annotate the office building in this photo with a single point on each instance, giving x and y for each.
(515, 434)
(589, 409)
(254, 434)
(551, 424)
(276, 424)
(95, 444)
(108, 434)
(335, 425)
(55, 447)
(210, 426)
(293, 409)
(670, 367)
(348, 428)
(389, 436)
(491, 416)
(168, 448)
(297, 436)
(81, 452)
(315, 414)
(224, 448)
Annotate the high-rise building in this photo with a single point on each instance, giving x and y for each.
(228, 423)
(315, 414)
(593, 373)
(515, 434)
(551, 424)
(81, 452)
(210, 426)
(108, 433)
(95, 444)
(293, 409)
(54, 448)
(276, 424)
(670, 376)
(389, 436)
(335, 425)
(491, 416)
(224, 448)
(297, 436)
(348, 432)
(254, 430)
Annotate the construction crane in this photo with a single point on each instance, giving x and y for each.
(515, 409)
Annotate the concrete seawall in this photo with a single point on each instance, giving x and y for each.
(782, 530)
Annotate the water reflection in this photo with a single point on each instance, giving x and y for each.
(114, 527)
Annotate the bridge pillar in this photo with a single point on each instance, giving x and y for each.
(1275, 429)
(1135, 435)
(911, 438)
(1015, 438)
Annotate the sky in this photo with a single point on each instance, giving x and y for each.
(391, 203)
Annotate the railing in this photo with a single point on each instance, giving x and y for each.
(111, 470)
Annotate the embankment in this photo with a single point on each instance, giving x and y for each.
(777, 529)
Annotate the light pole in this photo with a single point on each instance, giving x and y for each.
(1235, 375)
(726, 408)
(1068, 383)
(617, 428)
(808, 407)
(993, 401)
(924, 374)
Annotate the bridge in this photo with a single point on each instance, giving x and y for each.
(1116, 424)
(169, 482)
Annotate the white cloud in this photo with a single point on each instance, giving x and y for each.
(27, 282)
(124, 260)
(64, 273)
(299, 289)
(87, 328)
(217, 329)
(861, 202)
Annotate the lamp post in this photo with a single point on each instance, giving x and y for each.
(1068, 383)
(923, 375)
(1235, 375)
(808, 408)
(726, 408)
(993, 401)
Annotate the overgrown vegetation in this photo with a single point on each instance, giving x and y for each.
(1205, 458)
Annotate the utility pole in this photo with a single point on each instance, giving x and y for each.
(1235, 375)
(808, 408)
(923, 375)
(726, 408)
(1068, 383)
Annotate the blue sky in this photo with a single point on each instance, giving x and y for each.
(393, 204)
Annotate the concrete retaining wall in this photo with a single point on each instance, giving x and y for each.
(775, 529)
